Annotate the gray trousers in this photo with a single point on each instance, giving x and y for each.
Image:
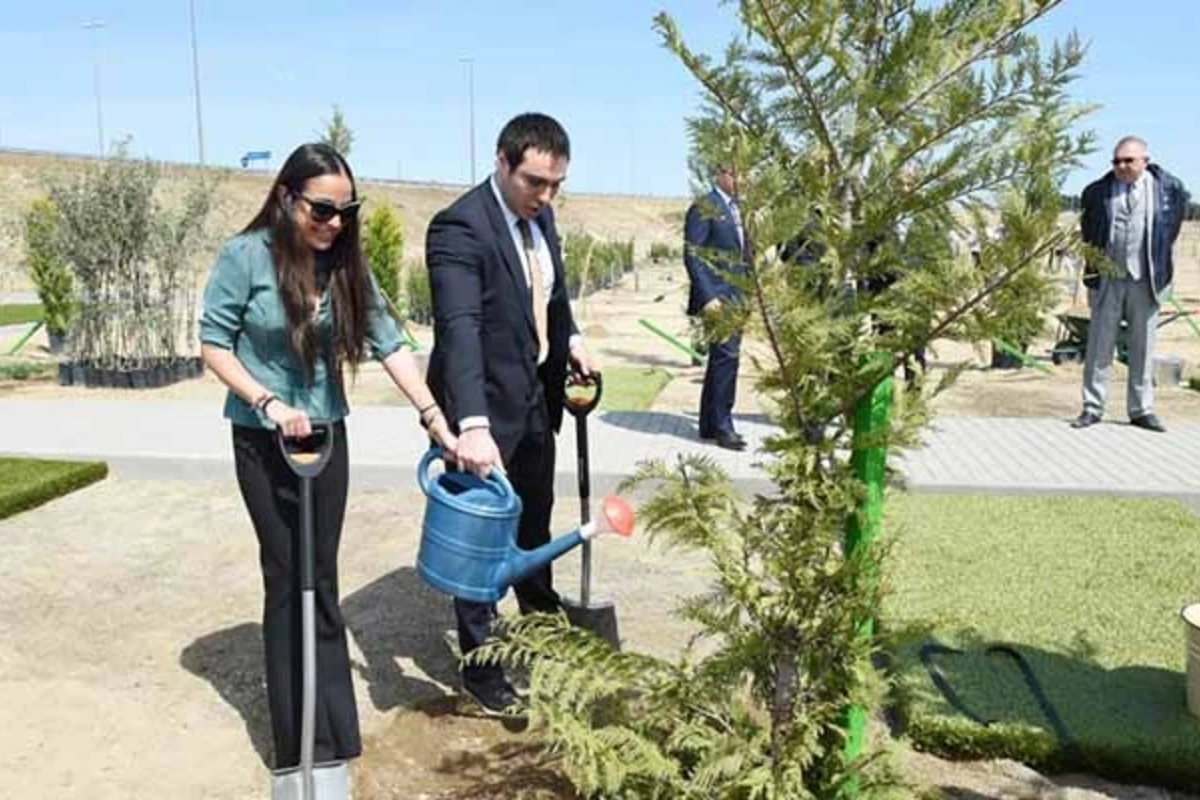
(1114, 300)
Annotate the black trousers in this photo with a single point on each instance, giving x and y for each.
(531, 472)
(720, 387)
(272, 495)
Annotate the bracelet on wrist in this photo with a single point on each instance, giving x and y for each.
(261, 403)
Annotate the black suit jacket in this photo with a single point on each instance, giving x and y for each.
(484, 360)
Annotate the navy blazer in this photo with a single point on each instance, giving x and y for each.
(484, 359)
(1170, 208)
(709, 225)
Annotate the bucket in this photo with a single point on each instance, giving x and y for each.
(468, 531)
(1191, 624)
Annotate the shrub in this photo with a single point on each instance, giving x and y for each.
(47, 268)
(383, 247)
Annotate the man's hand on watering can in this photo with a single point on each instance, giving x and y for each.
(477, 451)
(293, 422)
(581, 360)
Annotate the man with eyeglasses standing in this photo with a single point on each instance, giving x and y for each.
(504, 335)
(1133, 215)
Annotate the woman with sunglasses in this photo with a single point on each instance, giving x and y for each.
(289, 306)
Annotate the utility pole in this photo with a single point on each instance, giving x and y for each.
(96, 25)
(470, 62)
(196, 82)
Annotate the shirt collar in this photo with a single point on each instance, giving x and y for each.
(509, 216)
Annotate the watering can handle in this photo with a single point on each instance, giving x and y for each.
(496, 478)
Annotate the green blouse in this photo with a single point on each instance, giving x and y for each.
(244, 314)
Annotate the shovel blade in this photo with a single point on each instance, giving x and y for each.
(598, 617)
(330, 782)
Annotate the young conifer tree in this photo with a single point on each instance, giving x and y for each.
(880, 135)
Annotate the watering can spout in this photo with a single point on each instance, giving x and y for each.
(615, 517)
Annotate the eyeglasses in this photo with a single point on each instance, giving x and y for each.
(1126, 161)
(324, 211)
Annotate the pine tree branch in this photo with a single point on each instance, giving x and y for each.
(1048, 246)
(991, 46)
(803, 86)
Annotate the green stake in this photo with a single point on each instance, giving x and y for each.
(872, 418)
(29, 333)
(650, 326)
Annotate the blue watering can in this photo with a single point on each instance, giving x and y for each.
(469, 534)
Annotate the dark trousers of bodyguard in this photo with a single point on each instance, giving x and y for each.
(720, 387)
(272, 495)
(530, 469)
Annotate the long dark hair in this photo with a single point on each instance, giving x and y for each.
(295, 271)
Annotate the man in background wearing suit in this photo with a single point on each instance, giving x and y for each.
(714, 224)
(504, 335)
(1133, 215)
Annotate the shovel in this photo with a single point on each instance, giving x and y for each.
(599, 617)
(307, 457)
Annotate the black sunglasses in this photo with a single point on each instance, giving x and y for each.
(1118, 162)
(324, 211)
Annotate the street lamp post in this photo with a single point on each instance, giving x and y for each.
(96, 25)
(196, 82)
(470, 62)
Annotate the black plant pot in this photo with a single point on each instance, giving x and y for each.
(91, 375)
(197, 364)
(137, 378)
(78, 374)
(1002, 359)
(64, 374)
(162, 376)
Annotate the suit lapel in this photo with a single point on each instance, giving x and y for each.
(512, 259)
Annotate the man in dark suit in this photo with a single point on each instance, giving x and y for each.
(504, 335)
(714, 226)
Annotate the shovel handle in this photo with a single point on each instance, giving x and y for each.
(580, 405)
(308, 455)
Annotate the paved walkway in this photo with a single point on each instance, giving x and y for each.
(167, 439)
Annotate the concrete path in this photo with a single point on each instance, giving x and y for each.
(174, 439)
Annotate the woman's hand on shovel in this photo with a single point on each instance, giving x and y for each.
(293, 422)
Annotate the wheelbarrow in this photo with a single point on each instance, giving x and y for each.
(1073, 335)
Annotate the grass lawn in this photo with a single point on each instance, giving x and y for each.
(20, 313)
(1087, 589)
(632, 388)
(29, 482)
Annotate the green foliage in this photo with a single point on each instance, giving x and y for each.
(661, 251)
(130, 257)
(25, 370)
(26, 482)
(885, 131)
(383, 247)
(47, 268)
(337, 133)
(591, 263)
(420, 296)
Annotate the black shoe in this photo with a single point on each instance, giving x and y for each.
(495, 696)
(1148, 422)
(729, 441)
(1086, 420)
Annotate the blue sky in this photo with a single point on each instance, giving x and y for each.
(271, 70)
